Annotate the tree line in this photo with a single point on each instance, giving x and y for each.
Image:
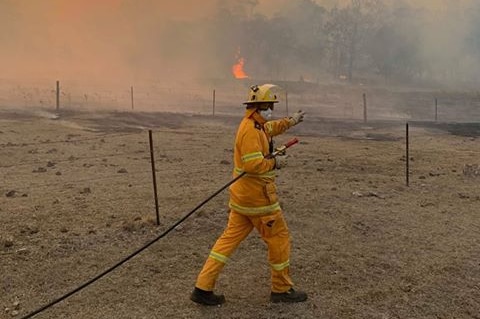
(362, 40)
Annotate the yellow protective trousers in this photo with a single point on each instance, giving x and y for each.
(273, 230)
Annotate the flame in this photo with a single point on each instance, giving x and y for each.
(237, 69)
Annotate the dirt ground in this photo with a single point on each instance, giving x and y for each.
(76, 198)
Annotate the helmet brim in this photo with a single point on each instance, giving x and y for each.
(258, 102)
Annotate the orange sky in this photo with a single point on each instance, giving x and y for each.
(67, 38)
(96, 38)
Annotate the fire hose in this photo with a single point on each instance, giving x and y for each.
(278, 151)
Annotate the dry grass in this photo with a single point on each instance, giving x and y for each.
(364, 244)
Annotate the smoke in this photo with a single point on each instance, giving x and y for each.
(108, 40)
(97, 40)
(137, 40)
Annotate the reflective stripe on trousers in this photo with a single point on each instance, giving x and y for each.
(273, 230)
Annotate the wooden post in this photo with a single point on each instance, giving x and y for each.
(154, 178)
(58, 96)
(213, 106)
(407, 160)
(364, 108)
(131, 95)
(436, 109)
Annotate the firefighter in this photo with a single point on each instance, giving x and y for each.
(254, 202)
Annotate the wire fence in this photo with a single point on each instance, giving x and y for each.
(329, 101)
(97, 169)
(115, 168)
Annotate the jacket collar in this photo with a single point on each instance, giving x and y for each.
(253, 114)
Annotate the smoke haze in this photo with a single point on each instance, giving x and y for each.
(129, 40)
(93, 39)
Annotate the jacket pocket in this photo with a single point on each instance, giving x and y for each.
(271, 192)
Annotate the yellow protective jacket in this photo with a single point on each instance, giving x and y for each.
(255, 193)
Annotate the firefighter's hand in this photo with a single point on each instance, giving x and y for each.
(297, 117)
(280, 161)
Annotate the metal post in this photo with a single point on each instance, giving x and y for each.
(213, 110)
(407, 161)
(131, 95)
(364, 108)
(436, 109)
(58, 96)
(154, 178)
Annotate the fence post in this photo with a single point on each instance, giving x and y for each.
(58, 96)
(407, 151)
(131, 95)
(213, 106)
(364, 108)
(154, 178)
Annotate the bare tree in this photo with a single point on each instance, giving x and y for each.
(347, 29)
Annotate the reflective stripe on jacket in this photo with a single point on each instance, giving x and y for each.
(255, 193)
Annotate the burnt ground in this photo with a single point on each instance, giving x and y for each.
(76, 198)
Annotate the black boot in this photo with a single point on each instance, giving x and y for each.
(289, 296)
(207, 298)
